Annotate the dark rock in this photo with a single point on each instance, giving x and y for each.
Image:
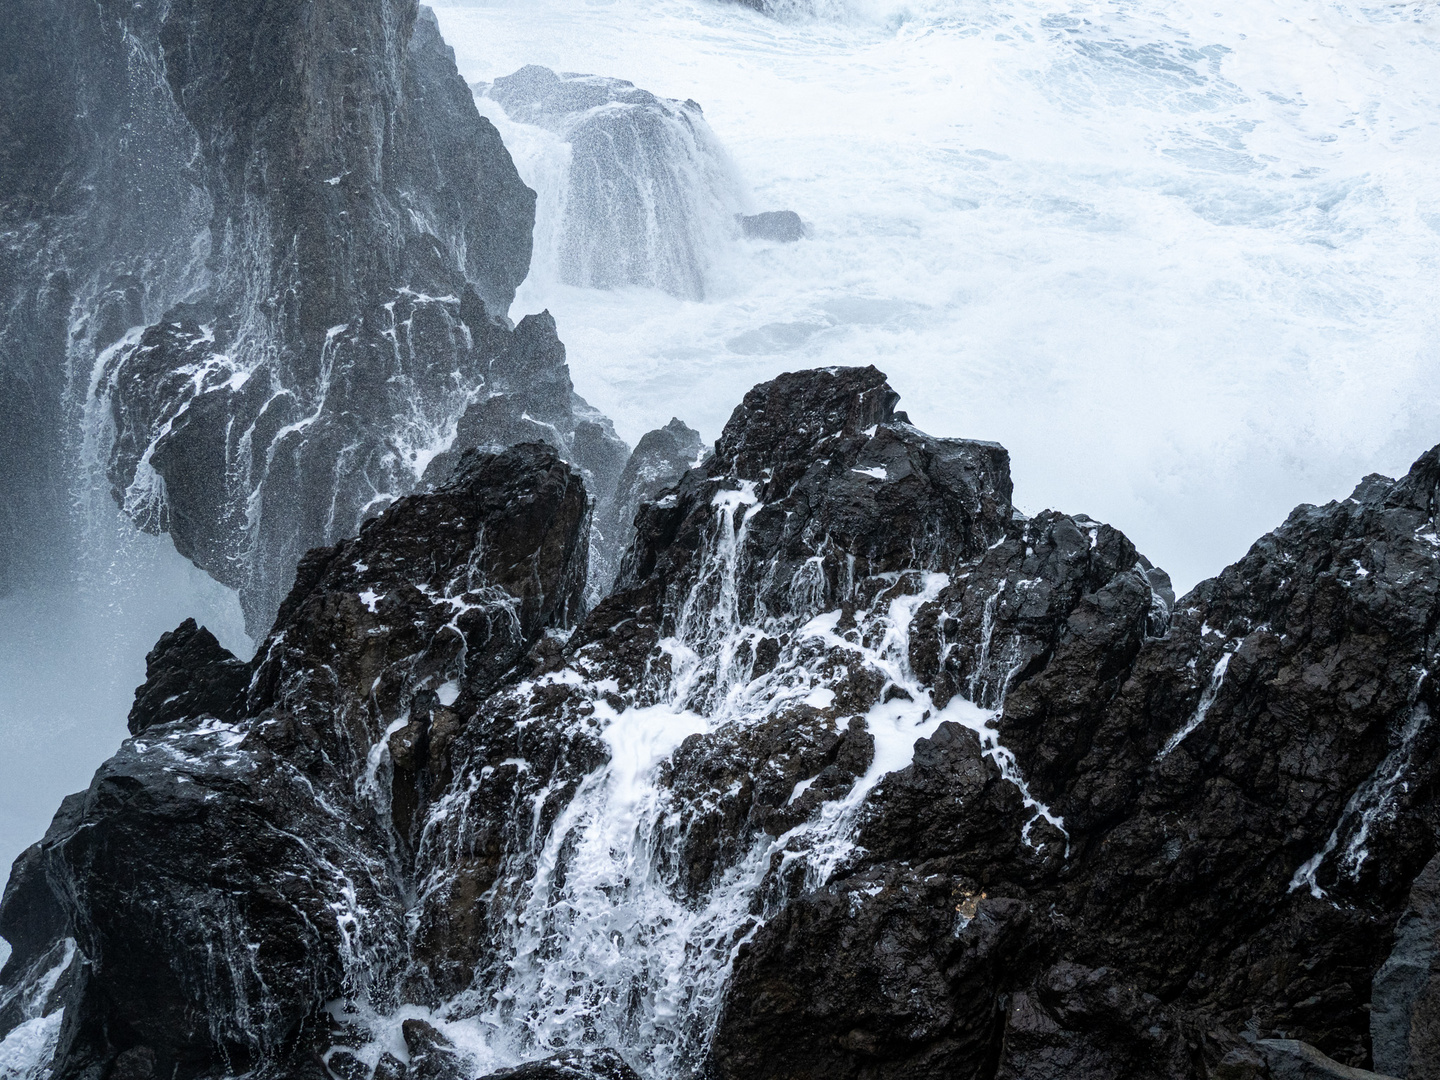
(659, 460)
(188, 674)
(886, 970)
(137, 1063)
(290, 275)
(572, 1065)
(1205, 807)
(224, 877)
(856, 773)
(651, 192)
(432, 1055)
(344, 1065)
(390, 1068)
(782, 226)
(1405, 996)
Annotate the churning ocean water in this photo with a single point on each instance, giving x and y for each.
(1181, 258)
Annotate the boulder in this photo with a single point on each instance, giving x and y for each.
(782, 226)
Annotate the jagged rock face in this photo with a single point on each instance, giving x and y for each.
(241, 861)
(650, 192)
(279, 260)
(703, 707)
(659, 459)
(856, 773)
(1247, 786)
(1405, 1002)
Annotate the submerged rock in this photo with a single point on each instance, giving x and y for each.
(783, 226)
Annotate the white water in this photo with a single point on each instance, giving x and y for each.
(1207, 699)
(605, 942)
(1180, 258)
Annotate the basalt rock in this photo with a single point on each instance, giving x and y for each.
(274, 249)
(856, 773)
(239, 862)
(1245, 780)
(188, 673)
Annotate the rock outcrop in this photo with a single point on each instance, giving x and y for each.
(856, 772)
(659, 459)
(275, 249)
(241, 862)
(650, 194)
(1246, 787)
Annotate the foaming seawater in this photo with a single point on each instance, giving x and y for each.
(1181, 259)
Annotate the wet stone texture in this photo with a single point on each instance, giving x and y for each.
(258, 269)
(856, 772)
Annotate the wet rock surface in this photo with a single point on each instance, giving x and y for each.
(856, 772)
(578, 1065)
(255, 276)
(238, 863)
(1245, 782)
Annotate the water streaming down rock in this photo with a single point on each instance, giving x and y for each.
(746, 820)
(255, 292)
(649, 192)
(246, 849)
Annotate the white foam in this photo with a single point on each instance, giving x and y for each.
(1178, 258)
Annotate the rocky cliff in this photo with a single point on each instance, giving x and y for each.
(856, 772)
(255, 271)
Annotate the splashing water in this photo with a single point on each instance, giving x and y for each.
(1177, 257)
(606, 941)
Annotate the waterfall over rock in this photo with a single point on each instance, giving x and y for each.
(857, 772)
(649, 193)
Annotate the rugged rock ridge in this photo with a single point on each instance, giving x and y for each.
(242, 859)
(856, 773)
(1247, 793)
(274, 249)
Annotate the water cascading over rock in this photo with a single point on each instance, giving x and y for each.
(649, 194)
(259, 268)
(857, 772)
